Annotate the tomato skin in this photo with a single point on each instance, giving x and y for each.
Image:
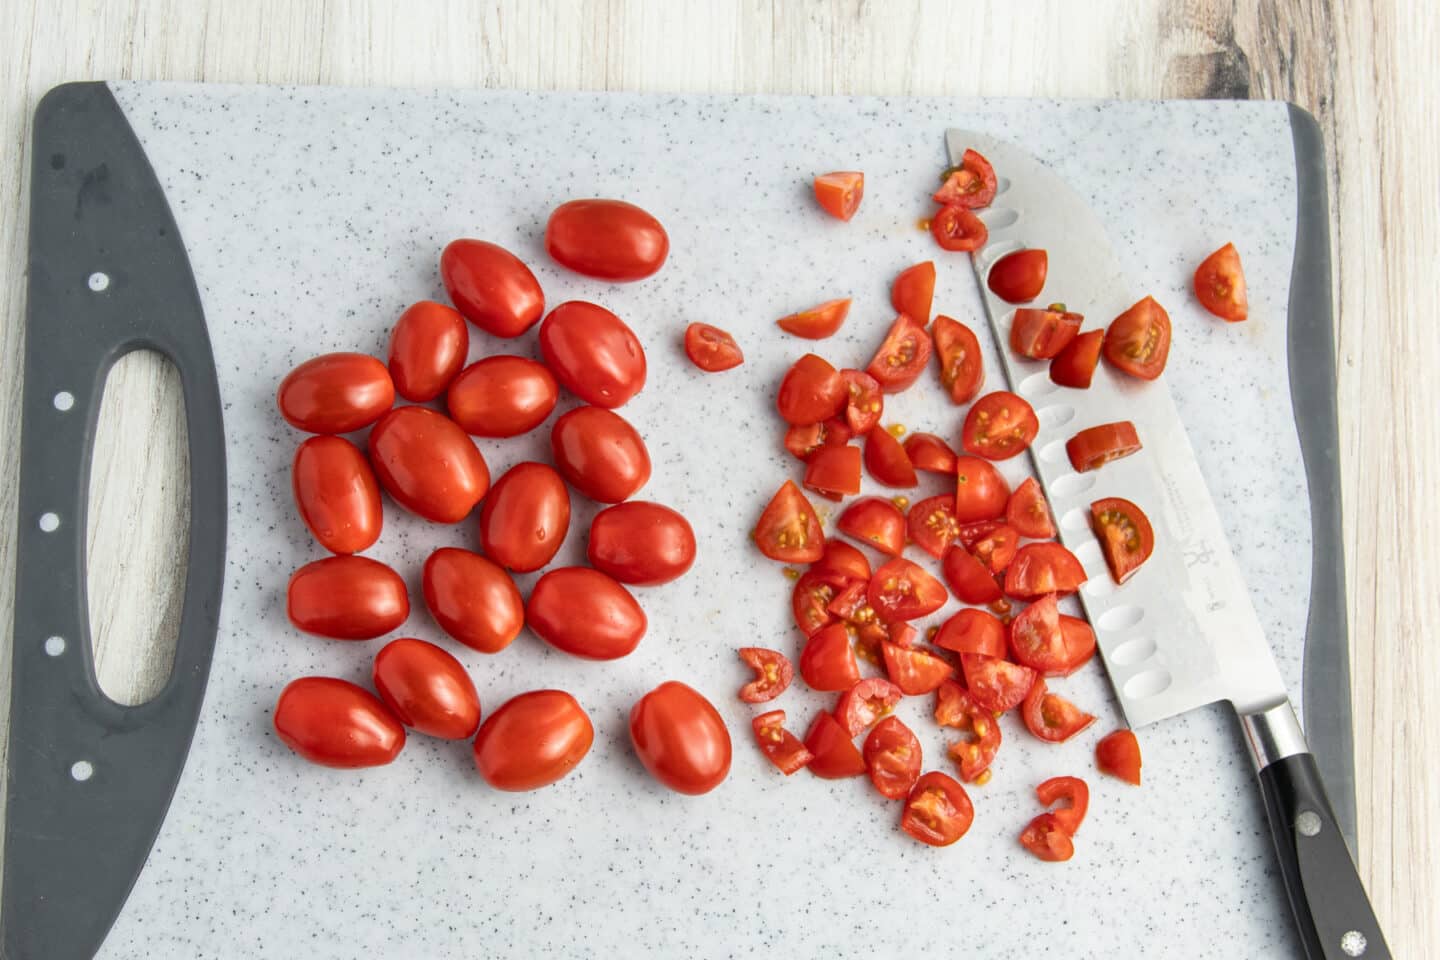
(1019, 276)
(931, 524)
(1093, 447)
(427, 350)
(973, 631)
(1079, 643)
(999, 426)
(886, 460)
(1220, 285)
(773, 673)
(833, 752)
(1042, 334)
(1138, 341)
(641, 543)
(428, 464)
(1047, 838)
(427, 689)
(1074, 366)
(491, 287)
(1051, 717)
(712, 349)
(902, 356)
(967, 577)
(996, 684)
(864, 401)
(997, 548)
(980, 492)
(811, 391)
(913, 292)
(827, 662)
(973, 532)
(962, 370)
(780, 746)
(336, 494)
(337, 724)
(938, 810)
(929, 453)
(607, 239)
(843, 559)
(593, 353)
(600, 454)
(585, 613)
(892, 757)
(834, 471)
(915, 672)
(875, 522)
(1041, 568)
(788, 529)
(839, 193)
(347, 598)
(812, 595)
(957, 229)
(972, 184)
(1118, 754)
(502, 396)
(1028, 512)
(818, 322)
(524, 520)
(533, 740)
(472, 599)
(680, 738)
(1073, 791)
(864, 703)
(1037, 639)
(804, 441)
(335, 393)
(1124, 533)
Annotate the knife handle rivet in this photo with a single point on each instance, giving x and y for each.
(82, 770)
(49, 522)
(64, 400)
(1353, 943)
(1308, 823)
(98, 281)
(54, 646)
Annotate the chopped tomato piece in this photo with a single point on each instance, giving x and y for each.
(843, 559)
(968, 578)
(852, 605)
(973, 631)
(1037, 639)
(915, 672)
(999, 426)
(1073, 792)
(892, 755)
(972, 533)
(817, 323)
(938, 810)
(997, 548)
(1124, 534)
(972, 184)
(864, 401)
(810, 392)
(803, 441)
(788, 530)
(1093, 447)
(833, 752)
(827, 662)
(1041, 568)
(961, 368)
(980, 492)
(1118, 754)
(839, 193)
(834, 470)
(1041, 334)
(902, 357)
(1020, 276)
(1028, 513)
(712, 349)
(1220, 285)
(903, 635)
(887, 461)
(868, 638)
(875, 522)
(900, 590)
(1079, 643)
(772, 674)
(997, 685)
(864, 703)
(1138, 341)
(1050, 716)
(1047, 839)
(1075, 365)
(954, 707)
(913, 292)
(931, 524)
(956, 228)
(813, 593)
(781, 746)
(929, 453)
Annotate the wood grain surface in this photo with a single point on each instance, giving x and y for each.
(1368, 71)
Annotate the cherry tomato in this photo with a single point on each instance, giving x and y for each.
(834, 471)
(347, 598)
(337, 724)
(1093, 447)
(843, 559)
(967, 577)
(428, 464)
(1042, 334)
(811, 598)
(903, 635)
(336, 393)
(1079, 643)
(961, 369)
(680, 738)
(427, 689)
(593, 353)
(931, 524)
(997, 685)
(980, 492)
(900, 590)
(1220, 285)
(1124, 533)
(1019, 276)
(781, 747)
(811, 391)
(502, 396)
(772, 674)
(833, 754)
(865, 702)
(336, 494)
(929, 453)
(534, 739)
(864, 402)
(1047, 839)
(492, 287)
(915, 672)
(600, 454)
(892, 756)
(525, 518)
(875, 522)
(1028, 513)
(1051, 717)
(957, 229)
(839, 193)
(999, 426)
(818, 322)
(827, 662)
(804, 441)
(1075, 365)
(1118, 754)
(608, 239)
(938, 810)
(641, 543)
(887, 461)
(585, 613)
(972, 184)
(1037, 639)
(975, 531)
(973, 631)
(1070, 790)
(1138, 341)
(997, 548)
(954, 707)
(913, 292)
(851, 604)
(472, 599)
(1041, 568)
(902, 357)
(712, 349)
(427, 350)
(788, 529)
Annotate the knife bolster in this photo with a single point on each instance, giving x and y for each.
(1273, 734)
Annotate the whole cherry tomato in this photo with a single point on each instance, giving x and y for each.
(427, 689)
(600, 453)
(336, 393)
(502, 396)
(586, 613)
(641, 543)
(347, 598)
(337, 724)
(428, 464)
(525, 517)
(681, 738)
(492, 287)
(472, 599)
(532, 740)
(427, 350)
(336, 493)
(609, 239)
(593, 353)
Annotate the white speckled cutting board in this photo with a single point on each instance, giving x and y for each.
(314, 216)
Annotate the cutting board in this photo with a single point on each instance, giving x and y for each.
(312, 217)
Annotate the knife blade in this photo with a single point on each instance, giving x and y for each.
(1181, 632)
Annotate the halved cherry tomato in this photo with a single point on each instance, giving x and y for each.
(1037, 639)
(1050, 716)
(773, 673)
(1070, 790)
(834, 472)
(427, 689)
(841, 558)
(980, 492)
(968, 578)
(502, 396)
(1118, 754)
(817, 323)
(875, 522)
(929, 453)
(972, 184)
(1019, 276)
(813, 593)
(336, 494)
(975, 531)
(427, 350)
(1220, 285)
(954, 707)
(810, 392)
(1041, 568)
(788, 529)
(839, 193)
(997, 548)
(1075, 365)
(973, 631)
(999, 426)
(887, 461)
(337, 724)
(608, 239)
(902, 357)
(1124, 533)
(491, 286)
(600, 454)
(915, 672)
(913, 292)
(865, 702)
(641, 543)
(997, 685)
(1047, 839)
(1042, 334)
(593, 353)
(428, 464)
(347, 598)
(1093, 447)
(864, 401)
(525, 518)
(827, 662)
(585, 613)
(903, 635)
(892, 756)
(938, 810)
(957, 229)
(1079, 643)
(931, 524)
(803, 441)
(833, 752)
(901, 590)
(681, 738)
(472, 599)
(534, 739)
(1138, 341)
(780, 746)
(335, 393)
(1028, 513)
(961, 369)
(712, 349)
(852, 605)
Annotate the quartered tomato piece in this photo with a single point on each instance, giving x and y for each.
(864, 703)
(931, 524)
(1020, 276)
(980, 492)
(842, 559)
(810, 392)
(1093, 447)
(997, 685)
(803, 441)
(851, 604)
(817, 323)
(833, 754)
(892, 755)
(839, 193)
(954, 707)
(900, 590)
(903, 635)
(1050, 716)
(973, 631)
(782, 747)
(1041, 568)
(972, 184)
(887, 461)
(1118, 754)
(956, 228)
(1028, 513)
(938, 810)
(834, 471)
(929, 453)
(712, 349)
(827, 662)
(788, 530)
(1220, 285)
(913, 292)
(813, 593)
(972, 533)
(999, 426)
(902, 357)
(1075, 365)
(961, 368)
(1047, 839)
(1124, 534)
(1042, 334)
(915, 672)
(1037, 639)
(968, 578)
(1079, 643)
(1138, 341)
(1074, 793)
(997, 548)
(772, 674)
(875, 522)
(864, 401)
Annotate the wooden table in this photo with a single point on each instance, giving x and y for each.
(1368, 74)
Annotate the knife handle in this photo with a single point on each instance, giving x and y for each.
(1331, 909)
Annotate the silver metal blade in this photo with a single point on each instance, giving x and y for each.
(1181, 632)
